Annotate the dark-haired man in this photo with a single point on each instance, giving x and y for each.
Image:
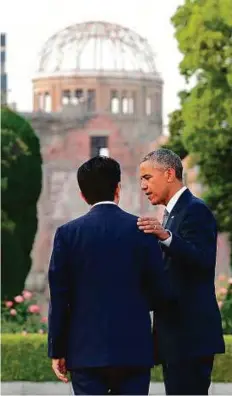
(188, 236)
(104, 276)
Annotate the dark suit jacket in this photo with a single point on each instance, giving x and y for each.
(104, 276)
(190, 262)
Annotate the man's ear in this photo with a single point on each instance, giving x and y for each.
(171, 174)
(117, 192)
(83, 197)
(118, 188)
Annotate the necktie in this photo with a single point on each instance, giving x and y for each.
(165, 218)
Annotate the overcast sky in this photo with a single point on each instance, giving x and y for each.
(29, 23)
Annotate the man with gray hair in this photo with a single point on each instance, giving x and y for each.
(186, 342)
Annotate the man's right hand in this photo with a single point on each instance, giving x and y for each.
(59, 368)
(150, 225)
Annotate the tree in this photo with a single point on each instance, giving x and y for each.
(204, 34)
(176, 127)
(21, 185)
(12, 148)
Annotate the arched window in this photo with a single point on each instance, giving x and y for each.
(66, 95)
(148, 106)
(47, 102)
(99, 146)
(41, 101)
(131, 105)
(114, 103)
(125, 105)
(77, 96)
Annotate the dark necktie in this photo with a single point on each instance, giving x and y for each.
(165, 218)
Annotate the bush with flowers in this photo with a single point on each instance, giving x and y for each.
(224, 298)
(22, 315)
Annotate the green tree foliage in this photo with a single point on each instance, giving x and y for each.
(176, 130)
(21, 184)
(204, 34)
(204, 122)
(176, 127)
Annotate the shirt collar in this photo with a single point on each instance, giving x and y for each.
(103, 203)
(174, 199)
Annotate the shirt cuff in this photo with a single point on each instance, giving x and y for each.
(167, 242)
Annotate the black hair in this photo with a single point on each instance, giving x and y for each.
(98, 179)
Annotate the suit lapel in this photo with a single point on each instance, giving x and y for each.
(173, 218)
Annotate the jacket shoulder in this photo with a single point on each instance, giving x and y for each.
(198, 206)
(130, 220)
(143, 239)
(129, 216)
(72, 224)
(197, 203)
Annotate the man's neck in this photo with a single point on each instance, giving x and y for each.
(173, 192)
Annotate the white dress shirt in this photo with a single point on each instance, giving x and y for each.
(104, 202)
(169, 207)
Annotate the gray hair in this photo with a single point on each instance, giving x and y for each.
(167, 159)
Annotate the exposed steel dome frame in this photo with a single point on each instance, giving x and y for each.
(126, 48)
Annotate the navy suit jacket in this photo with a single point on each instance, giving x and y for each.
(105, 276)
(196, 331)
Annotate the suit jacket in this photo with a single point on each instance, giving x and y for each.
(196, 331)
(104, 276)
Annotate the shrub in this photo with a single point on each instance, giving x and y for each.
(22, 315)
(224, 298)
(222, 365)
(226, 313)
(24, 358)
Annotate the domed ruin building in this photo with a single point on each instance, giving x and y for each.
(96, 91)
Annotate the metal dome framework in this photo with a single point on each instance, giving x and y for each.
(97, 46)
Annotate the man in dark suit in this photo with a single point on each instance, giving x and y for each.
(104, 277)
(187, 342)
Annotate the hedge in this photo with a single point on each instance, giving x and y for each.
(24, 358)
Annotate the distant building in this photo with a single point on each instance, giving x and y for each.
(3, 70)
(96, 91)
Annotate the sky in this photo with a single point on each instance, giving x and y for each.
(29, 23)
